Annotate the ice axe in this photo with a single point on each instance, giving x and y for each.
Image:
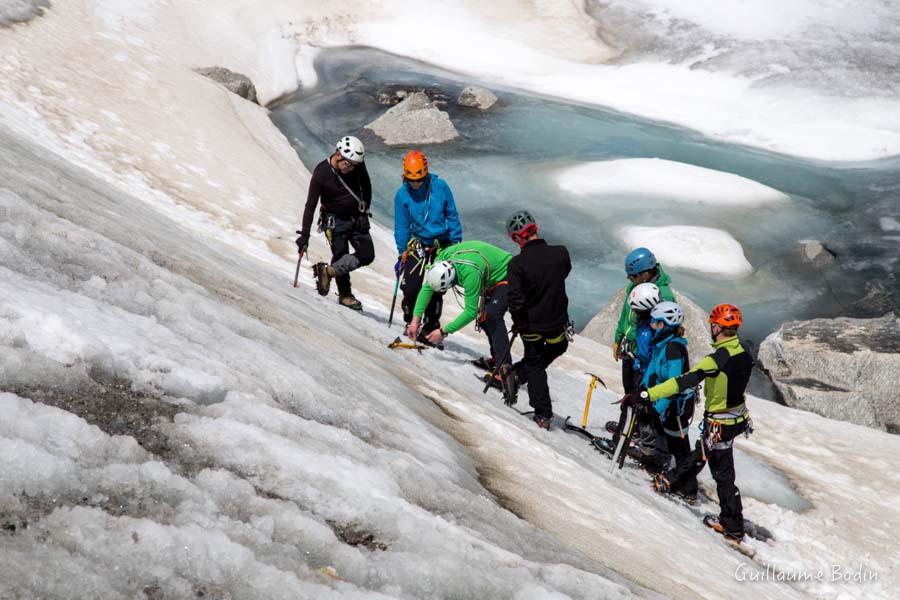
(399, 343)
(587, 401)
(299, 258)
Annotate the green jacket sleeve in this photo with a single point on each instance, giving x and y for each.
(624, 322)
(470, 280)
(709, 366)
(422, 300)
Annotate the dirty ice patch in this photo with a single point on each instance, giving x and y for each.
(694, 248)
(651, 178)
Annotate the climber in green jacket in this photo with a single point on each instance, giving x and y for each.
(640, 267)
(480, 270)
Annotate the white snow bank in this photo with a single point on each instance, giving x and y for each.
(664, 179)
(688, 247)
(763, 19)
(553, 48)
(718, 103)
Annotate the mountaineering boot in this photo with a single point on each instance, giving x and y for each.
(485, 362)
(428, 327)
(651, 464)
(424, 340)
(350, 301)
(543, 422)
(323, 273)
(663, 486)
(712, 521)
(510, 385)
(605, 445)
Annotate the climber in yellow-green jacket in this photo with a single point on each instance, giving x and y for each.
(725, 373)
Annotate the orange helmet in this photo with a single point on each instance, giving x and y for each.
(726, 315)
(415, 165)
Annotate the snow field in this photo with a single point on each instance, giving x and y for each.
(340, 446)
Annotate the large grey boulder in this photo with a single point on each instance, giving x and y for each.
(476, 97)
(602, 327)
(846, 369)
(20, 11)
(416, 120)
(233, 82)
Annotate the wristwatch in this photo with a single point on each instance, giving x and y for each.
(644, 395)
(444, 332)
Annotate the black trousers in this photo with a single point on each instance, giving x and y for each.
(413, 276)
(494, 325)
(344, 234)
(677, 445)
(720, 455)
(538, 356)
(630, 376)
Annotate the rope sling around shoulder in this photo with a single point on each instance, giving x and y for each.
(485, 278)
(360, 203)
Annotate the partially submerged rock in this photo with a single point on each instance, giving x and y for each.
(476, 97)
(414, 121)
(815, 253)
(394, 94)
(235, 83)
(846, 369)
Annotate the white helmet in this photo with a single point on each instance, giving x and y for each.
(644, 297)
(441, 276)
(668, 312)
(352, 149)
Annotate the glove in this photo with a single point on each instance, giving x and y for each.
(398, 266)
(635, 399)
(616, 352)
(302, 242)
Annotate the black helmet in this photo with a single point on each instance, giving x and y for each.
(519, 221)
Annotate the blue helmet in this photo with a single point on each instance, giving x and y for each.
(639, 260)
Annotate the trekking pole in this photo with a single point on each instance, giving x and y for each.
(394, 301)
(618, 459)
(587, 402)
(506, 354)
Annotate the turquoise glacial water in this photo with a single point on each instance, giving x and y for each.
(505, 158)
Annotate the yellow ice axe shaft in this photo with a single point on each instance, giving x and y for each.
(398, 343)
(587, 401)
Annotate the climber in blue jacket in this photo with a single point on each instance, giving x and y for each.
(425, 221)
